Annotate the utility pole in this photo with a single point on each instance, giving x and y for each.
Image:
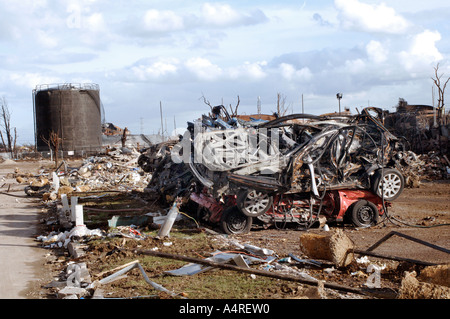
(339, 97)
(303, 107)
(174, 126)
(258, 105)
(162, 124)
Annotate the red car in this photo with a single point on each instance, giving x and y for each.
(361, 207)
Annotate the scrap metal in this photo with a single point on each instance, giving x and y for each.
(288, 169)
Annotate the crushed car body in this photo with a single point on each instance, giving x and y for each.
(292, 169)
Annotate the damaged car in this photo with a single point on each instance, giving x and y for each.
(289, 170)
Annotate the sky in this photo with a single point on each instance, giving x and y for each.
(176, 53)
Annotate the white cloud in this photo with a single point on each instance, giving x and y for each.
(46, 40)
(162, 21)
(156, 70)
(289, 72)
(219, 14)
(25, 6)
(355, 66)
(30, 80)
(203, 69)
(422, 52)
(209, 16)
(253, 71)
(376, 52)
(96, 23)
(424, 45)
(356, 15)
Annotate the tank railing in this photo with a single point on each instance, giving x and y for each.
(67, 86)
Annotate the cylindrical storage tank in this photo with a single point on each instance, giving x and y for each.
(73, 111)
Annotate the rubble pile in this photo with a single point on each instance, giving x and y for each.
(431, 166)
(424, 167)
(115, 171)
(420, 127)
(298, 169)
(434, 166)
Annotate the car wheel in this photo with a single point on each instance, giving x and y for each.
(392, 182)
(234, 222)
(364, 214)
(253, 203)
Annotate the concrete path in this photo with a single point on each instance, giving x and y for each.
(21, 260)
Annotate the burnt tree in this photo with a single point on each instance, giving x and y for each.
(5, 124)
(441, 90)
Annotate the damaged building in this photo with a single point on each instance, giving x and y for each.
(420, 127)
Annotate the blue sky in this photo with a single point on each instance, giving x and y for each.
(142, 53)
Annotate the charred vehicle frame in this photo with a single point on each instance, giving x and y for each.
(292, 169)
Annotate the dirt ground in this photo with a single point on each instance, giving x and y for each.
(422, 213)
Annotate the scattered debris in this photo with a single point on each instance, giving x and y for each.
(55, 239)
(125, 270)
(278, 275)
(241, 260)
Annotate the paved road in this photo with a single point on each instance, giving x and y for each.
(20, 257)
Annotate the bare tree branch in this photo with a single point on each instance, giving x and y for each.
(3, 141)
(53, 143)
(281, 107)
(234, 111)
(207, 102)
(5, 123)
(441, 91)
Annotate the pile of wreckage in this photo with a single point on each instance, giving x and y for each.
(420, 127)
(115, 170)
(242, 173)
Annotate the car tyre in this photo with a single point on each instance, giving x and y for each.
(394, 183)
(364, 214)
(233, 221)
(254, 203)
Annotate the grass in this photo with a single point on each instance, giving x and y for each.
(211, 284)
(108, 253)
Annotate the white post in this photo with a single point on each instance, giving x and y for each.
(73, 203)
(79, 219)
